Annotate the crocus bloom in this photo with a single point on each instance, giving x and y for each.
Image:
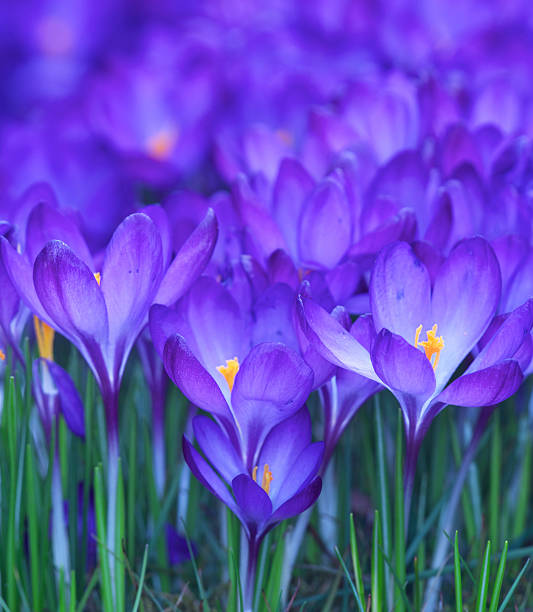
(282, 483)
(103, 311)
(453, 312)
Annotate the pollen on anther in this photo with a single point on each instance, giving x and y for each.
(229, 371)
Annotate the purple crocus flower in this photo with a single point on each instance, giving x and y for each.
(103, 311)
(453, 310)
(280, 482)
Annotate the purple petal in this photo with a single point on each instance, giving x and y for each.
(217, 448)
(70, 294)
(46, 223)
(131, 275)
(160, 218)
(401, 366)
(484, 387)
(273, 317)
(332, 341)
(507, 339)
(283, 445)
(20, 273)
(400, 291)
(325, 226)
(300, 502)
(254, 503)
(281, 269)
(70, 400)
(216, 330)
(297, 474)
(465, 297)
(191, 377)
(190, 261)
(520, 286)
(164, 322)
(177, 547)
(293, 184)
(272, 383)
(207, 476)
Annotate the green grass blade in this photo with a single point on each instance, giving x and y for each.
(511, 591)
(499, 579)
(350, 581)
(483, 586)
(524, 491)
(141, 581)
(358, 574)
(377, 571)
(272, 591)
(32, 511)
(457, 575)
(100, 511)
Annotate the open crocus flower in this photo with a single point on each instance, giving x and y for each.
(102, 311)
(279, 482)
(421, 330)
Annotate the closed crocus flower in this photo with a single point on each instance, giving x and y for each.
(421, 330)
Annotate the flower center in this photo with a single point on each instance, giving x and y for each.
(2, 355)
(267, 478)
(45, 338)
(432, 346)
(160, 145)
(229, 371)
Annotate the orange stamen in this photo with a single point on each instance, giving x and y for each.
(229, 371)
(432, 346)
(45, 338)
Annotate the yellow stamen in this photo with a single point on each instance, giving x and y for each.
(432, 346)
(229, 371)
(267, 478)
(45, 338)
(285, 136)
(160, 145)
(98, 277)
(2, 355)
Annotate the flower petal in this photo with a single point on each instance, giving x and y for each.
(70, 294)
(207, 476)
(325, 226)
(217, 448)
(190, 261)
(400, 291)
(70, 400)
(192, 378)
(300, 502)
(332, 341)
(465, 296)
(484, 387)
(283, 445)
(164, 322)
(293, 184)
(253, 502)
(272, 383)
(20, 273)
(46, 223)
(401, 366)
(131, 274)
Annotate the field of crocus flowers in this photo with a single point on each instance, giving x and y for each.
(266, 305)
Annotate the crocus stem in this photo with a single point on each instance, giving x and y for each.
(60, 546)
(158, 440)
(447, 517)
(411, 457)
(253, 550)
(112, 480)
